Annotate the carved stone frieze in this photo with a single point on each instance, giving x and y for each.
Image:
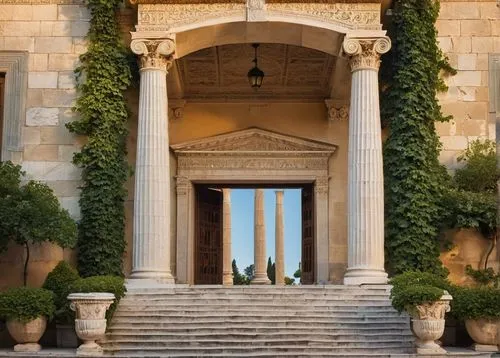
(337, 110)
(250, 162)
(163, 16)
(364, 53)
(42, 2)
(156, 14)
(154, 53)
(352, 16)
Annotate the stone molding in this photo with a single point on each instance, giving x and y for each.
(157, 15)
(364, 53)
(15, 65)
(42, 2)
(154, 54)
(337, 110)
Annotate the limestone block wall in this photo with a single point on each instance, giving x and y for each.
(469, 34)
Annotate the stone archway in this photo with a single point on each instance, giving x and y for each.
(250, 156)
(357, 23)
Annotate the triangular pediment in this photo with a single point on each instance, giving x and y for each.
(253, 140)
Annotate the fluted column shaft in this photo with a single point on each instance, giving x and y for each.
(279, 241)
(227, 268)
(260, 261)
(365, 165)
(151, 237)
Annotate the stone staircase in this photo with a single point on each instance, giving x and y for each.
(257, 321)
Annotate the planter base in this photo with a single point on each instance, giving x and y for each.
(89, 349)
(27, 347)
(428, 347)
(484, 347)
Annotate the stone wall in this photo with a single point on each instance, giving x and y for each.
(469, 34)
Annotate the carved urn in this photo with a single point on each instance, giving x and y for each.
(427, 324)
(90, 322)
(485, 333)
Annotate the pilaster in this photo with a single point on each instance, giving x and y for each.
(227, 268)
(279, 241)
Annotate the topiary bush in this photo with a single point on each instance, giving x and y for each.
(111, 284)
(475, 302)
(25, 304)
(414, 288)
(59, 281)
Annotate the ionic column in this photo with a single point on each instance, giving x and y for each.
(260, 260)
(279, 240)
(151, 247)
(365, 173)
(227, 268)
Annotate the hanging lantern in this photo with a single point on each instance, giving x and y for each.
(255, 75)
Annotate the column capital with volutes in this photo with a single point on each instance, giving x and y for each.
(364, 53)
(154, 53)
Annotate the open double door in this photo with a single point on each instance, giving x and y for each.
(208, 235)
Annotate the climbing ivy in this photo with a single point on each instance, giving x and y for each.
(102, 77)
(414, 178)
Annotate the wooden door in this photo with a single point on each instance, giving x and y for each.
(308, 257)
(208, 246)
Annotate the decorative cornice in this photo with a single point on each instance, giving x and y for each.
(154, 53)
(337, 110)
(42, 2)
(244, 1)
(254, 140)
(364, 53)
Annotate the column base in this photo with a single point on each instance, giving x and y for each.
(227, 279)
(365, 276)
(164, 277)
(260, 280)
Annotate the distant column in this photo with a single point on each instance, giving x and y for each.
(260, 241)
(227, 269)
(279, 240)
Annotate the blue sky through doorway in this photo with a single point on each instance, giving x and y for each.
(242, 220)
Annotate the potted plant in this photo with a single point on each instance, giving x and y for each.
(59, 281)
(31, 214)
(26, 311)
(94, 299)
(424, 298)
(479, 307)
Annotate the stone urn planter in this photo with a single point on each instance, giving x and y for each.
(90, 322)
(427, 324)
(484, 332)
(27, 334)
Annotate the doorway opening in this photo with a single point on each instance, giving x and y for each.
(299, 230)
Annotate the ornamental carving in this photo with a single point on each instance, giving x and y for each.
(182, 185)
(163, 16)
(255, 162)
(431, 310)
(337, 111)
(352, 16)
(159, 15)
(321, 185)
(365, 53)
(154, 54)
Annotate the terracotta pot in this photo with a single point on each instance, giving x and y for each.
(27, 334)
(427, 324)
(90, 322)
(484, 332)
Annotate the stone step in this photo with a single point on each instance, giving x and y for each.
(250, 335)
(179, 288)
(260, 301)
(245, 322)
(145, 306)
(206, 347)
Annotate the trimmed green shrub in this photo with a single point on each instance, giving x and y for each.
(59, 281)
(414, 287)
(31, 214)
(475, 302)
(111, 284)
(25, 304)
